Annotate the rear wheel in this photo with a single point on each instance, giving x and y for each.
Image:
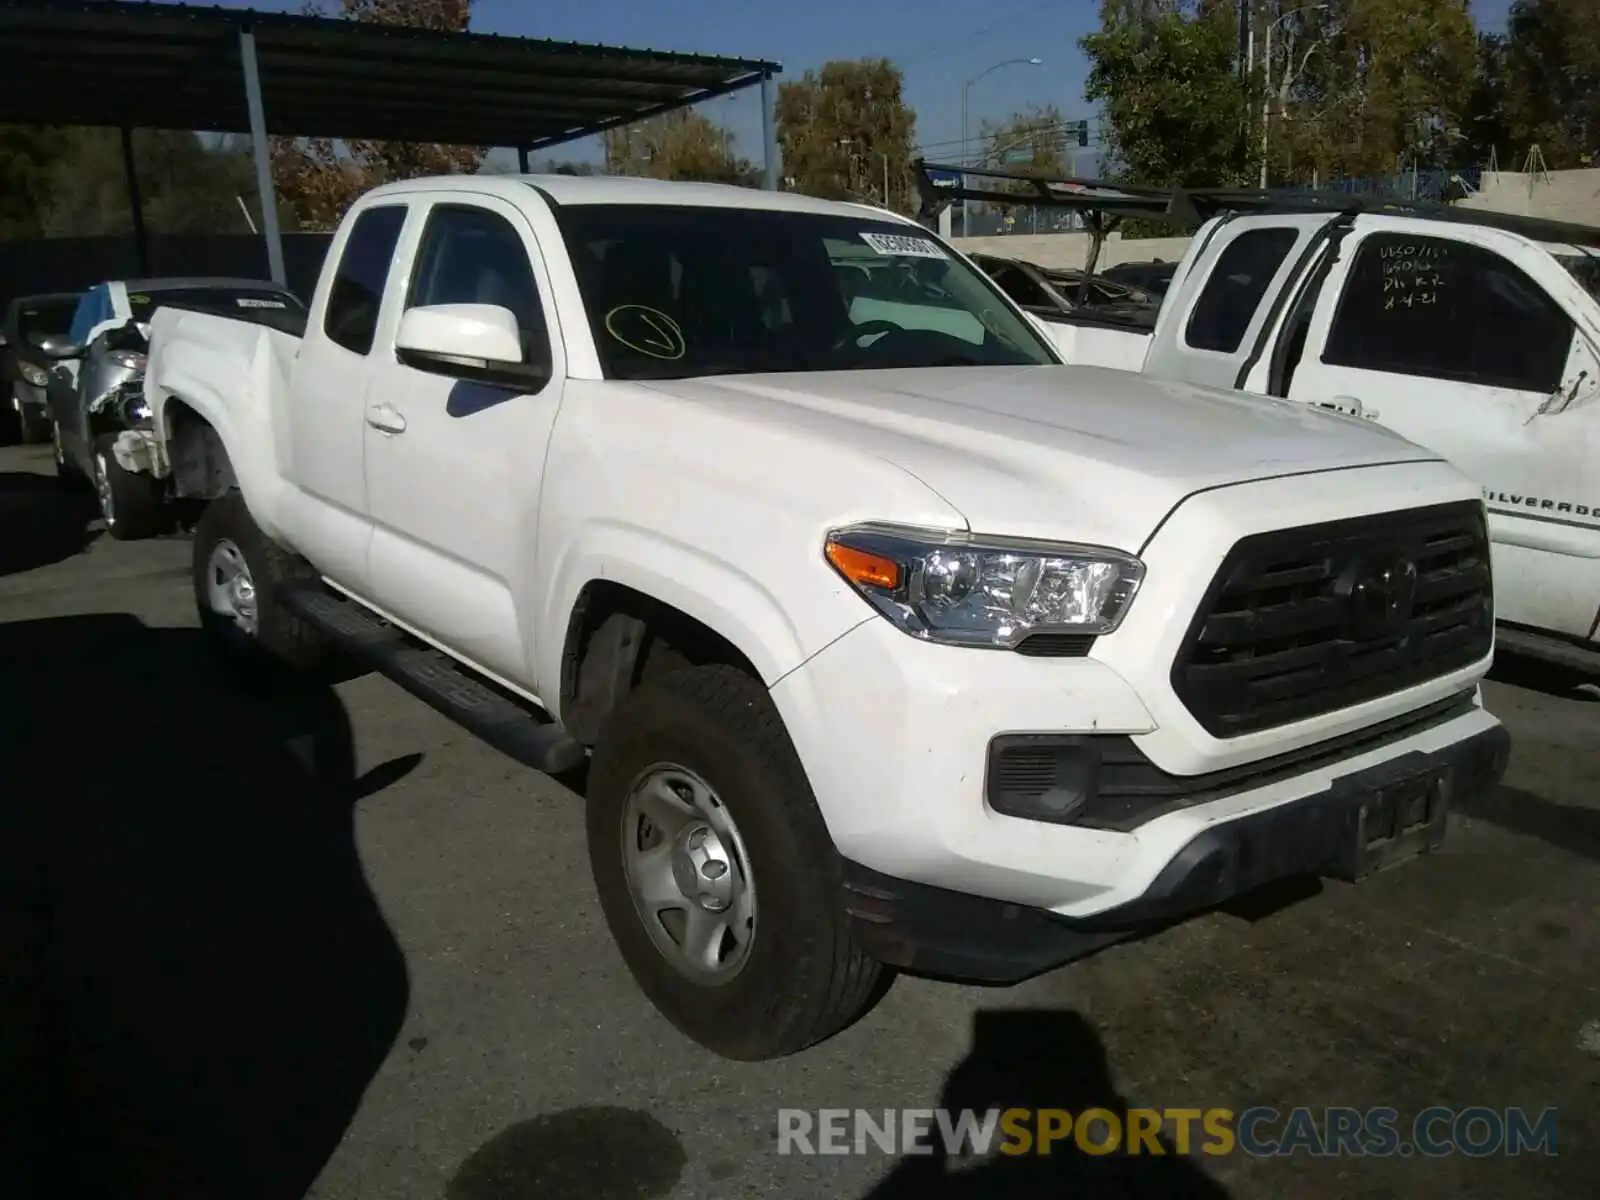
(716, 872)
(130, 502)
(237, 570)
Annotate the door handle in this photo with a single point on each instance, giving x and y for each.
(386, 418)
(1350, 406)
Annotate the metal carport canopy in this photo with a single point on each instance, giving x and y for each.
(136, 65)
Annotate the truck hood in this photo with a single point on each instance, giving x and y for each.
(1078, 453)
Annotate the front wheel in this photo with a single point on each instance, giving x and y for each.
(237, 570)
(32, 425)
(130, 502)
(66, 471)
(716, 872)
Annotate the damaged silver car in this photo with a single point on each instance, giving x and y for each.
(95, 387)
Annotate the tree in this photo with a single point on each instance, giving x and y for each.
(1175, 110)
(680, 144)
(28, 155)
(845, 133)
(1383, 83)
(1032, 141)
(1488, 129)
(185, 185)
(318, 178)
(1552, 85)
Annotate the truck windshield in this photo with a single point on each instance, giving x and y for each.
(677, 292)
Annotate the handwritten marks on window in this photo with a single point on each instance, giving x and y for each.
(1412, 274)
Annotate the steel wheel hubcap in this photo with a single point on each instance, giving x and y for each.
(102, 486)
(688, 873)
(229, 586)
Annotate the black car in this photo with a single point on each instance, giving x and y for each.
(24, 371)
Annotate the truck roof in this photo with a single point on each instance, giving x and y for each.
(620, 189)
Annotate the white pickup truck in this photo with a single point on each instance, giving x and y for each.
(1472, 333)
(891, 640)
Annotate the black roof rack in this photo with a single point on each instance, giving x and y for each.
(1192, 206)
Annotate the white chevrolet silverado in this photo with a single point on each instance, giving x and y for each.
(891, 641)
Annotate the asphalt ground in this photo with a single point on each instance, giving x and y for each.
(328, 944)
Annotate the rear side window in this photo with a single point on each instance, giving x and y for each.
(1237, 285)
(1445, 309)
(351, 318)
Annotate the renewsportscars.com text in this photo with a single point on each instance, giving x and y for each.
(1477, 1132)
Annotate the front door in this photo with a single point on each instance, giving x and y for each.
(1457, 342)
(454, 467)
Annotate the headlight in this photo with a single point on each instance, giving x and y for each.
(135, 411)
(992, 592)
(128, 359)
(35, 376)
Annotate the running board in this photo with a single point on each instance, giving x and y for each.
(513, 727)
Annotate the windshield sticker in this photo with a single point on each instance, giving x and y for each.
(138, 299)
(902, 246)
(251, 302)
(648, 331)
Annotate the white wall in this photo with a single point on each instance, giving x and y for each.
(1557, 196)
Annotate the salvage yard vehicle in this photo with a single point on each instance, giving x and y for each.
(1154, 277)
(95, 389)
(890, 645)
(28, 321)
(1474, 333)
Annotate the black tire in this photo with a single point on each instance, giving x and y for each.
(34, 426)
(130, 504)
(805, 977)
(281, 640)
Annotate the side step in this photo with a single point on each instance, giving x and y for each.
(524, 732)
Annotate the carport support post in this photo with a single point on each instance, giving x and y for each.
(260, 151)
(522, 160)
(141, 245)
(769, 131)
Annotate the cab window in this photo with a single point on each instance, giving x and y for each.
(1444, 309)
(351, 317)
(1238, 283)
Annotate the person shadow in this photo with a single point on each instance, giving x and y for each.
(196, 981)
(1044, 1059)
(42, 521)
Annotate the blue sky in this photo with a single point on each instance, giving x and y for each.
(937, 43)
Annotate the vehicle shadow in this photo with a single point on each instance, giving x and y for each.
(1044, 1059)
(1552, 679)
(196, 982)
(41, 521)
(1565, 826)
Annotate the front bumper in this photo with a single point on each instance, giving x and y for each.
(946, 933)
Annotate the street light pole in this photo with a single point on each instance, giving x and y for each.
(1266, 79)
(967, 87)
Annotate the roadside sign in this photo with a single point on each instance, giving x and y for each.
(944, 178)
(1022, 155)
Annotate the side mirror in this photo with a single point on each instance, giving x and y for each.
(478, 342)
(59, 348)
